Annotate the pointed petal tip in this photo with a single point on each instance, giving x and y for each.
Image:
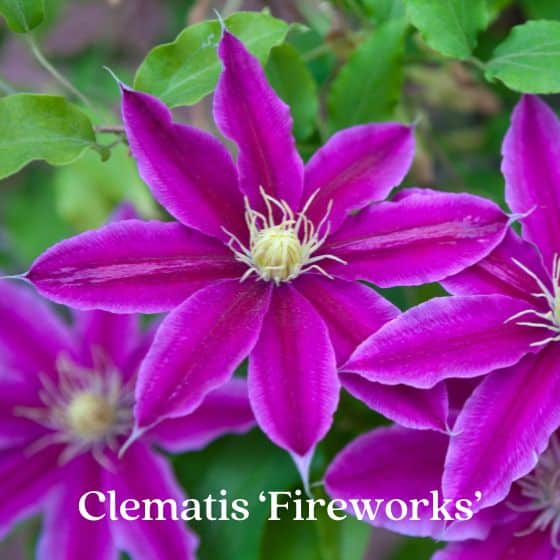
(303, 465)
(451, 432)
(136, 434)
(120, 83)
(221, 22)
(21, 276)
(519, 216)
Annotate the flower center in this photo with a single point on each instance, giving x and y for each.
(282, 245)
(541, 489)
(90, 416)
(84, 410)
(550, 319)
(277, 253)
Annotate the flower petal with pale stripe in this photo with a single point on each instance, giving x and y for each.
(197, 348)
(293, 383)
(189, 172)
(444, 338)
(132, 266)
(248, 111)
(420, 238)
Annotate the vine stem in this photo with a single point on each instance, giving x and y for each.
(477, 63)
(110, 129)
(38, 54)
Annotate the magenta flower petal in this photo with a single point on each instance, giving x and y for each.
(248, 111)
(124, 211)
(398, 463)
(531, 154)
(357, 166)
(513, 412)
(350, 310)
(132, 266)
(189, 172)
(66, 534)
(24, 483)
(293, 383)
(409, 407)
(31, 334)
(223, 411)
(141, 474)
(107, 337)
(421, 238)
(504, 542)
(18, 391)
(498, 273)
(197, 348)
(444, 338)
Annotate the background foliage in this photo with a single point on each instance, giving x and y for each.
(453, 67)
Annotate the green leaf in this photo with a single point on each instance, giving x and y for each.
(385, 10)
(496, 6)
(368, 86)
(321, 539)
(183, 72)
(30, 219)
(244, 466)
(529, 59)
(43, 127)
(419, 549)
(541, 9)
(88, 190)
(293, 82)
(449, 26)
(22, 15)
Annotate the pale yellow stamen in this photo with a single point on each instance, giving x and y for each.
(91, 416)
(85, 410)
(282, 248)
(549, 320)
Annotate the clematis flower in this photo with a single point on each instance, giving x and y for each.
(66, 407)
(523, 526)
(265, 257)
(503, 320)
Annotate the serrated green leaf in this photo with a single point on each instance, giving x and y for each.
(88, 190)
(184, 71)
(22, 15)
(449, 26)
(529, 59)
(368, 86)
(41, 127)
(293, 82)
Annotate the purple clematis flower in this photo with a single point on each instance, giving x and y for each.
(66, 407)
(504, 318)
(524, 526)
(264, 259)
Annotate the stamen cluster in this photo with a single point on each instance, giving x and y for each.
(87, 410)
(281, 248)
(542, 487)
(549, 320)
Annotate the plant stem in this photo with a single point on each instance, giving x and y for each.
(110, 129)
(477, 63)
(37, 53)
(6, 88)
(316, 52)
